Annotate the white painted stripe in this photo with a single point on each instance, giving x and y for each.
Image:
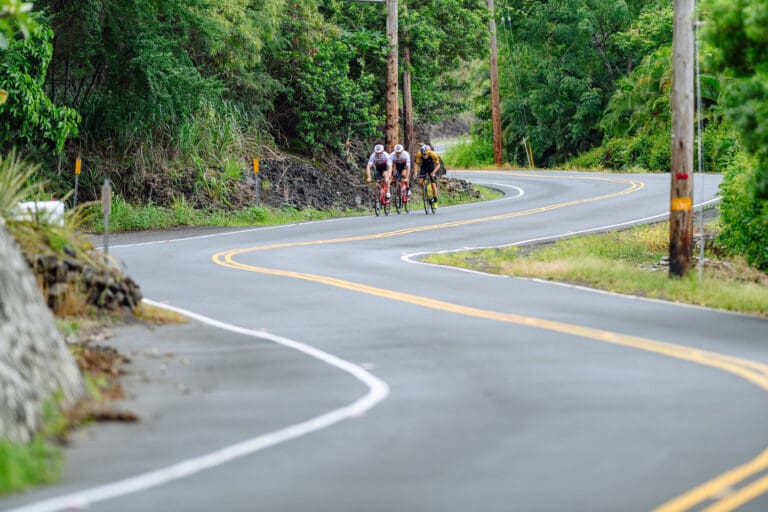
(644, 220)
(378, 391)
(409, 258)
(225, 233)
(279, 226)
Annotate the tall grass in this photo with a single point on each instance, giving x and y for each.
(16, 182)
(625, 262)
(127, 217)
(23, 466)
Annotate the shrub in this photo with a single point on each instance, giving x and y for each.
(470, 153)
(744, 216)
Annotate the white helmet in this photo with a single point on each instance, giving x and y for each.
(399, 148)
(378, 148)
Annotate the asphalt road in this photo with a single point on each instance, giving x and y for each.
(325, 369)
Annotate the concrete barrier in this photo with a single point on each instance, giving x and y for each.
(46, 212)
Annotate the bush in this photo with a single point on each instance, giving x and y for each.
(470, 153)
(744, 216)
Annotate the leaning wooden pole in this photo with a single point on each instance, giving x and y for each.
(681, 204)
(390, 136)
(495, 97)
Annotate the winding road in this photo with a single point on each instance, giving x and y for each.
(326, 369)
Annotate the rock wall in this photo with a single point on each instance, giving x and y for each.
(35, 364)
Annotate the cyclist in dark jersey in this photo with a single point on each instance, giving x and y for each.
(382, 163)
(401, 160)
(430, 165)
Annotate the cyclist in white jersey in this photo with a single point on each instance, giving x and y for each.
(401, 161)
(381, 162)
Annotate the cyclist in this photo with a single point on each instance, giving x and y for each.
(382, 163)
(429, 164)
(401, 160)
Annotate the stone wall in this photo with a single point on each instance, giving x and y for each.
(35, 364)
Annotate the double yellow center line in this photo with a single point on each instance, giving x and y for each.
(723, 493)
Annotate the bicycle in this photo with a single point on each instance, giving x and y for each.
(428, 195)
(379, 198)
(399, 191)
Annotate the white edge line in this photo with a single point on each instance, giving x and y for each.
(378, 391)
(226, 233)
(408, 258)
(276, 226)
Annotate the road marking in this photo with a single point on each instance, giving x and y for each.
(751, 371)
(377, 391)
(634, 186)
(718, 488)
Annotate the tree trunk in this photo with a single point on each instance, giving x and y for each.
(390, 137)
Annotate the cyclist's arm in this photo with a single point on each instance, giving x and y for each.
(436, 159)
(368, 167)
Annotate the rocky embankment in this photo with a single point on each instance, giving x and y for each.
(35, 364)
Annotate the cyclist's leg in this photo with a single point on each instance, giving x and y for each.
(407, 179)
(434, 185)
(387, 181)
(379, 182)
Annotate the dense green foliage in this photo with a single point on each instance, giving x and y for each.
(188, 87)
(181, 88)
(470, 153)
(14, 14)
(561, 60)
(29, 118)
(745, 230)
(736, 31)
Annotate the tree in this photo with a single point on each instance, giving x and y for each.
(14, 14)
(562, 61)
(738, 30)
(29, 118)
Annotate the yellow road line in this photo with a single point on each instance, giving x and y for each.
(634, 186)
(745, 495)
(749, 370)
(754, 372)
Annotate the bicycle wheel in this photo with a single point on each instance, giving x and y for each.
(385, 203)
(425, 191)
(406, 200)
(377, 202)
(394, 191)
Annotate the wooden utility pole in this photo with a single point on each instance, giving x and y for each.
(495, 101)
(410, 138)
(390, 136)
(681, 204)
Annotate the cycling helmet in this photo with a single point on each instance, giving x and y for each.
(378, 148)
(399, 148)
(424, 149)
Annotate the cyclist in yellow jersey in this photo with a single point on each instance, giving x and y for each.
(429, 165)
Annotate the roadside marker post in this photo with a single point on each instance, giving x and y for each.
(106, 210)
(78, 164)
(258, 183)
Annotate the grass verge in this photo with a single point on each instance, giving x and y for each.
(128, 217)
(24, 466)
(628, 262)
